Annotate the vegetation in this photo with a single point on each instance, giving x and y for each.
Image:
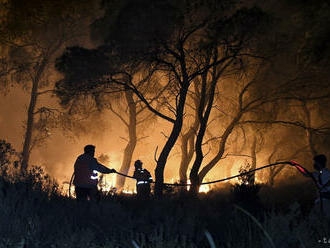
(35, 214)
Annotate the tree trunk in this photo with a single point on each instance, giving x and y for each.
(203, 118)
(271, 178)
(132, 140)
(254, 160)
(206, 101)
(29, 127)
(187, 152)
(222, 147)
(184, 163)
(30, 116)
(188, 139)
(309, 131)
(159, 171)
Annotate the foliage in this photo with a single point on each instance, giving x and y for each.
(9, 159)
(31, 34)
(36, 215)
(245, 179)
(6, 153)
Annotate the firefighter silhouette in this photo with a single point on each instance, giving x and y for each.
(85, 175)
(143, 180)
(322, 178)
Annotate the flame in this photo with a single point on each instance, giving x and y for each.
(108, 183)
(205, 188)
(65, 189)
(129, 192)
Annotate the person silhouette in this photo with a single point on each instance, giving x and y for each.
(322, 178)
(143, 180)
(85, 175)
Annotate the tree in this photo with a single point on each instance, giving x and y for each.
(187, 56)
(289, 80)
(136, 117)
(33, 34)
(282, 151)
(85, 76)
(175, 49)
(188, 136)
(205, 41)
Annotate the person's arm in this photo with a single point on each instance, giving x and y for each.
(135, 175)
(101, 168)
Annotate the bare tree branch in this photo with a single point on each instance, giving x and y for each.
(118, 115)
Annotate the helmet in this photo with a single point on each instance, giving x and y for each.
(138, 164)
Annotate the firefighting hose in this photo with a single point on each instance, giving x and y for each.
(299, 167)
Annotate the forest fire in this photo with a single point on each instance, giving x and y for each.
(147, 99)
(202, 189)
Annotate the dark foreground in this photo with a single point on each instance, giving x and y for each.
(33, 214)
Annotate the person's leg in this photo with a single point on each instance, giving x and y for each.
(148, 191)
(81, 194)
(322, 210)
(326, 208)
(93, 194)
(145, 191)
(139, 192)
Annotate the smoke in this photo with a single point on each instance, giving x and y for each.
(58, 153)
(104, 130)
(12, 109)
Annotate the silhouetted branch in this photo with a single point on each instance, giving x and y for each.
(155, 155)
(123, 138)
(144, 137)
(46, 91)
(118, 115)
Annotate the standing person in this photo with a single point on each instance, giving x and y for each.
(322, 178)
(143, 180)
(85, 174)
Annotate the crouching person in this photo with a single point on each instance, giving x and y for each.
(143, 180)
(85, 180)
